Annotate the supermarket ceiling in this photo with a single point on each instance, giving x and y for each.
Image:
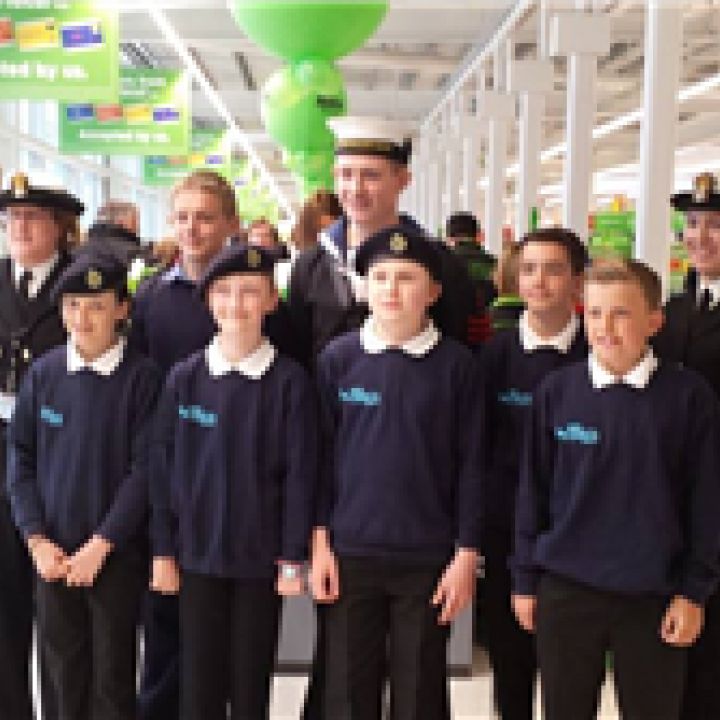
(422, 45)
(400, 72)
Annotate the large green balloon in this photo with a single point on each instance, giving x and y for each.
(296, 30)
(310, 164)
(297, 100)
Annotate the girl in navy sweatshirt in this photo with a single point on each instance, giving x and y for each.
(234, 477)
(78, 484)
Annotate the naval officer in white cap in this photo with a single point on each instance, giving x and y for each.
(326, 298)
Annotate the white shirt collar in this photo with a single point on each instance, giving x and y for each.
(253, 366)
(104, 365)
(713, 286)
(40, 274)
(416, 346)
(638, 377)
(562, 342)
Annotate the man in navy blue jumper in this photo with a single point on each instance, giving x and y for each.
(617, 539)
(233, 492)
(515, 360)
(395, 547)
(78, 484)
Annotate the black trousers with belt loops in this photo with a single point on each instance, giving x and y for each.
(383, 625)
(229, 634)
(89, 636)
(577, 626)
(702, 688)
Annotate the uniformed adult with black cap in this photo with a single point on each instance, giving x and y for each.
(326, 296)
(40, 221)
(691, 335)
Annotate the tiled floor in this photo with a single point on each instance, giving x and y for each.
(471, 697)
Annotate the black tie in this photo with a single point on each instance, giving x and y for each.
(24, 284)
(705, 300)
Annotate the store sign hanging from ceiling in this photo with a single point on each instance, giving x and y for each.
(210, 151)
(150, 117)
(58, 50)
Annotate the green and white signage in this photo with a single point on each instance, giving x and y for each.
(210, 151)
(58, 50)
(151, 117)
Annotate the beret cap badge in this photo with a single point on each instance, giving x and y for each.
(254, 259)
(398, 243)
(94, 279)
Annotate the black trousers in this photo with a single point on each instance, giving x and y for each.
(511, 649)
(16, 619)
(313, 705)
(90, 640)
(702, 691)
(17, 611)
(577, 626)
(382, 622)
(229, 634)
(159, 697)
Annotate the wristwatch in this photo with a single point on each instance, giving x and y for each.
(289, 572)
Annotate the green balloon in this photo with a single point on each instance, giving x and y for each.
(309, 186)
(298, 30)
(296, 102)
(310, 164)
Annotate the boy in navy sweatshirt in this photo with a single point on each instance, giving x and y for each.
(617, 539)
(551, 264)
(77, 479)
(395, 545)
(232, 494)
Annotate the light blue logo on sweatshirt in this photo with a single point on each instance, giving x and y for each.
(575, 432)
(198, 415)
(360, 396)
(51, 417)
(515, 397)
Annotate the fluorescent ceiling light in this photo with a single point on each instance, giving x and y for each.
(219, 105)
(621, 122)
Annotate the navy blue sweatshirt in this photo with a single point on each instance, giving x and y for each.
(402, 445)
(511, 377)
(620, 487)
(235, 469)
(78, 451)
(170, 321)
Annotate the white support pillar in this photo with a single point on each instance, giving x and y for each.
(498, 131)
(469, 167)
(532, 79)
(498, 109)
(658, 135)
(451, 177)
(584, 37)
(434, 204)
(532, 109)
(421, 181)
(468, 144)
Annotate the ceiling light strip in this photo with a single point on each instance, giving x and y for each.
(172, 37)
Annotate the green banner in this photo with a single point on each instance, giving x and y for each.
(58, 50)
(151, 117)
(210, 151)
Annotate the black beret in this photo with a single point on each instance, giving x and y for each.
(237, 258)
(704, 196)
(21, 192)
(92, 273)
(400, 243)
